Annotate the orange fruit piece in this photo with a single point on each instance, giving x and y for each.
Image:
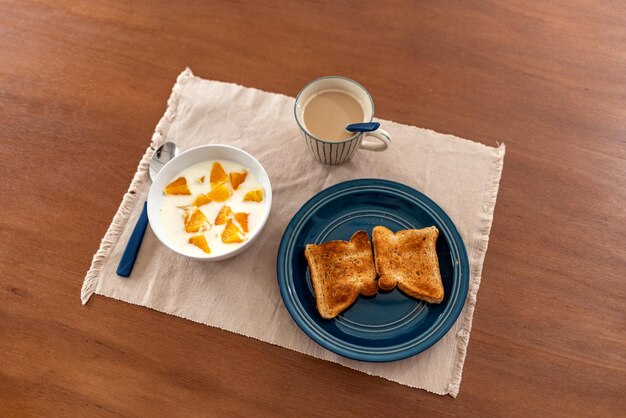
(222, 216)
(196, 221)
(242, 219)
(218, 175)
(255, 195)
(237, 177)
(201, 180)
(178, 186)
(202, 199)
(200, 242)
(220, 193)
(231, 234)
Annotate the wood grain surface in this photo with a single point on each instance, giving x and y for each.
(83, 84)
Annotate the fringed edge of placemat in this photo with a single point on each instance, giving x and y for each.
(485, 222)
(130, 197)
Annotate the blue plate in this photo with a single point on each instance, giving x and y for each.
(389, 326)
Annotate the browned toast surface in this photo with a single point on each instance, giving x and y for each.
(408, 260)
(340, 271)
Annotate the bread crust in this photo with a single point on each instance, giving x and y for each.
(340, 272)
(408, 260)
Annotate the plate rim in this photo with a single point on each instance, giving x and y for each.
(461, 273)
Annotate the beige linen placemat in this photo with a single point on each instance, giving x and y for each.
(241, 294)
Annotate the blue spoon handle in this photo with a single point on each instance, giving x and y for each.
(132, 248)
(363, 127)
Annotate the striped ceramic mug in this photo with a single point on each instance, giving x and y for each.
(332, 151)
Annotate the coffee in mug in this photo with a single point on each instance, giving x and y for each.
(327, 114)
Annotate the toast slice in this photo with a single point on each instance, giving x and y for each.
(408, 260)
(340, 271)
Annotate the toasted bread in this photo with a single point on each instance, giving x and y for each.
(408, 260)
(340, 271)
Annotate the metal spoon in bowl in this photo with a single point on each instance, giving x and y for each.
(161, 156)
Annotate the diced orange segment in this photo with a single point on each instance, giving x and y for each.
(196, 221)
(237, 177)
(220, 193)
(200, 242)
(201, 199)
(218, 175)
(178, 186)
(255, 195)
(222, 216)
(231, 234)
(242, 219)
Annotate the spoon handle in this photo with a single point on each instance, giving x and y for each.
(132, 247)
(363, 127)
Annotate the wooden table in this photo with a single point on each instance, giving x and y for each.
(83, 84)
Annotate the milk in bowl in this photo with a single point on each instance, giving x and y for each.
(212, 207)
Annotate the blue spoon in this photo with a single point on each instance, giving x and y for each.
(363, 127)
(160, 157)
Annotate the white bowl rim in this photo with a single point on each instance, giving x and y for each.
(209, 257)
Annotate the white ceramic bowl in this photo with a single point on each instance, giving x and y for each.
(189, 158)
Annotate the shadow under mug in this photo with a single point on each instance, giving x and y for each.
(338, 152)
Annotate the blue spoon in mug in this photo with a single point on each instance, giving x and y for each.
(363, 127)
(161, 156)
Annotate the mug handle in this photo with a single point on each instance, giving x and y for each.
(384, 140)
